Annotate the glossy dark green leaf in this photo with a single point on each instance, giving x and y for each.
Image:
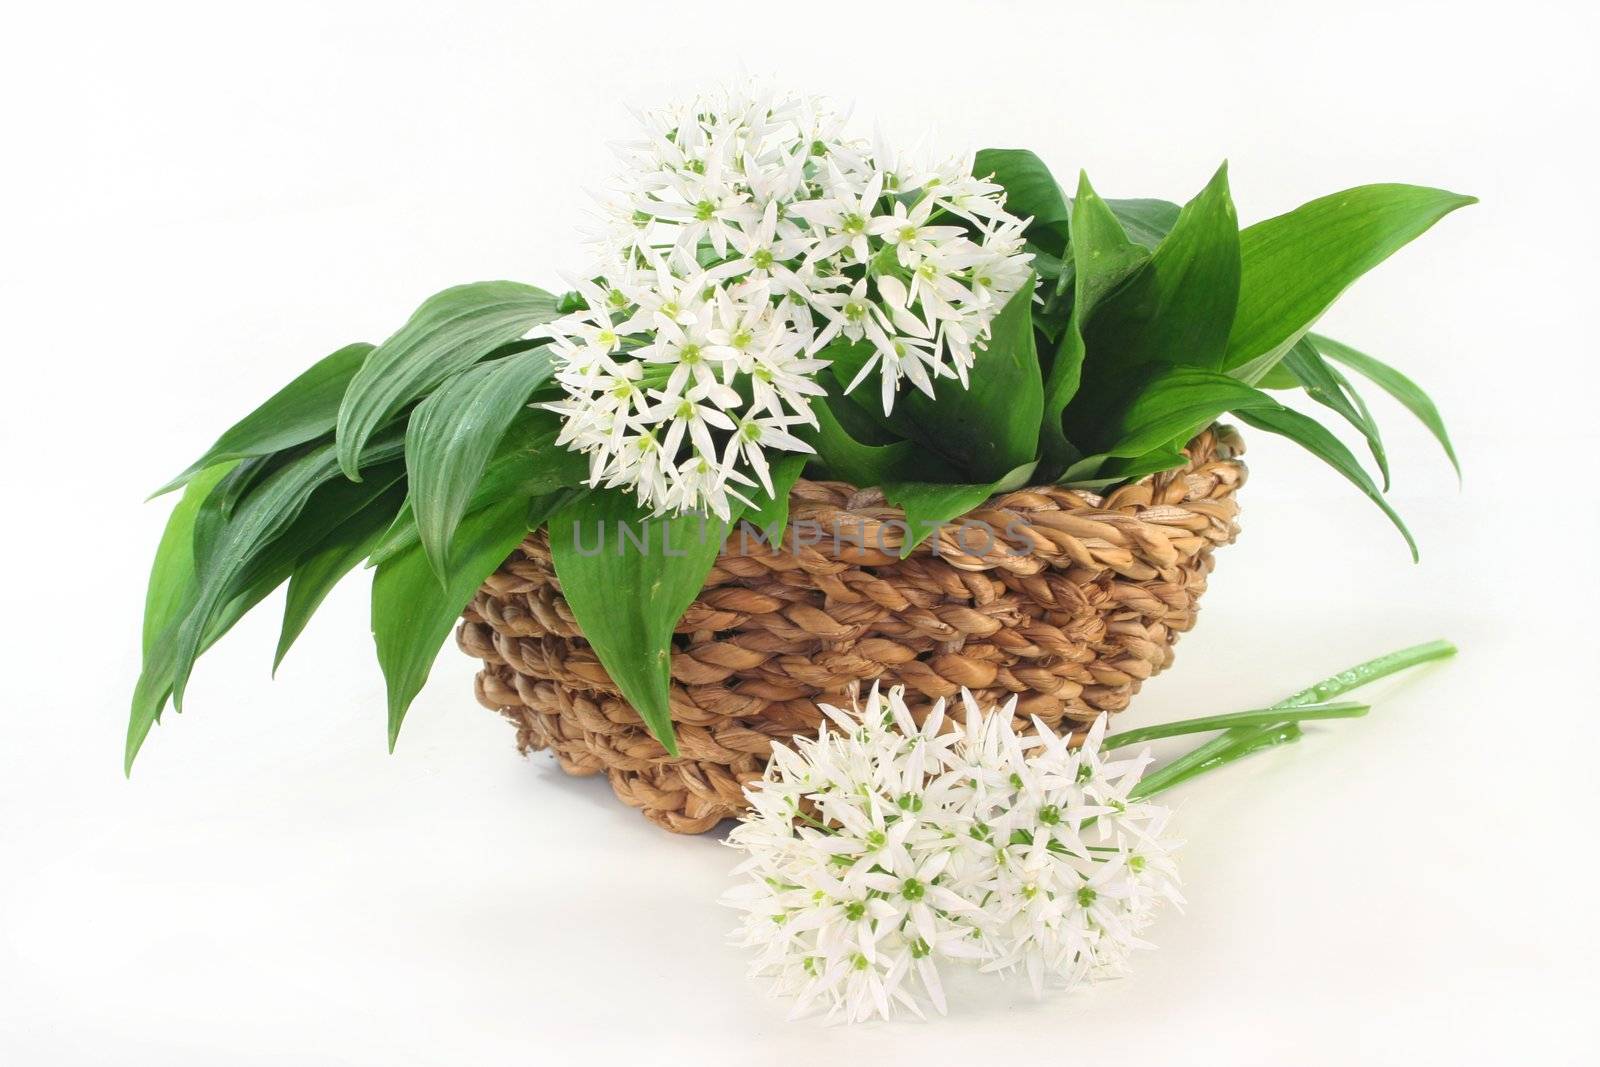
(1396, 385)
(452, 435)
(301, 411)
(1031, 192)
(447, 334)
(1315, 438)
(1332, 390)
(628, 579)
(1297, 264)
(1103, 258)
(929, 505)
(315, 574)
(412, 613)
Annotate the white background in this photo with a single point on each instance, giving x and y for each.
(199, 201)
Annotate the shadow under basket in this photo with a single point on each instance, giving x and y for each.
(1061, 597)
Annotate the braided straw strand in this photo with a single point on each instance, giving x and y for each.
(1066, 599)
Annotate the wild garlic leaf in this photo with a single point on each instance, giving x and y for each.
(628, 578)
(1332, 390)
(1031, 192)
(1103, 257)
(413, 613)
(316, 573)
(449, 333)
(1397, 385)
(1297, 264)
(929, 505)
(1176, 308)
(452, 435)
(301, 411)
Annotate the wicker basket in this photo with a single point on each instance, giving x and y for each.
(1073, 604)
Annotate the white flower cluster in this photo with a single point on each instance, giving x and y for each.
(882, 847)
(749, 232)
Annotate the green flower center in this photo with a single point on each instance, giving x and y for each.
(689, 353)
(855, 910)
(912, 889)
(1049, 814)
(762, 259)
(704, 210)
(908, 233)
(1087, 896)
(853, 223)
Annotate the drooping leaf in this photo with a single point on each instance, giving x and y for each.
(1031, 191)
(172, 576)
(628, 579)
(526, 463)
(340, 552)
(452, 435)
(1332, 390)
(412, 613)
(239, 541)
(1103, 258)
(1297, 264)
(1396, 385)
(301, 411)
(928, 505)
(447, 334)
(1311, 435)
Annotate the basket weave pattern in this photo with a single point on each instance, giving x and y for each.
(1073, 602)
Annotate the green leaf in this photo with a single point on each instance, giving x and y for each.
(1103, 258)
(452, 435)
(928, 506)
(172, 583)
(1121, 471)
(526, 463)
(1159, 405)
(1315, 438)
(315, 574)
(1332, 390)
(848, 459)
(301, 411)
(1296, 265)
(770, 514)
(412, 613)
(1147, 222)
(238, 542)
(991, 427)
(628, 579)
(447, 334)
(1396, 385)
(1031, 191)
(1179, 306)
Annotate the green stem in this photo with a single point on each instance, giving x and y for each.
(1218, 753)
(1241, 741)
(1263, 717)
